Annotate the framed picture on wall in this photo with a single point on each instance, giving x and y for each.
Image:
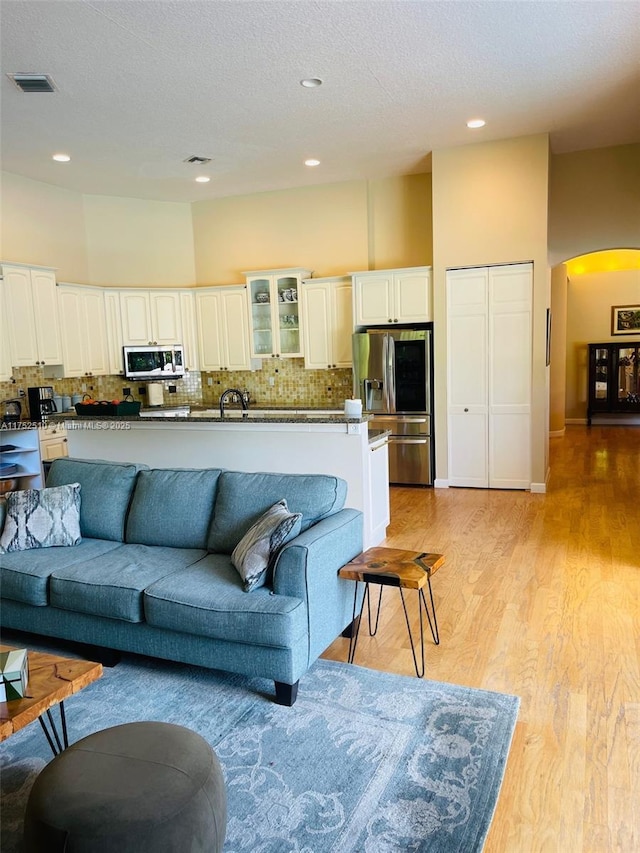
(625, 319)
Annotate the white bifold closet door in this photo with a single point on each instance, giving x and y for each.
(489, 346)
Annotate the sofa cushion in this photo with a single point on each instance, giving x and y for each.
(172, 507)
(24, 575)
(106, 489)
(112, 585)
(255, 553)
(207, 599)
(42, 518)
(242, 497)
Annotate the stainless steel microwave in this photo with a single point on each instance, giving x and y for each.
(154, 362)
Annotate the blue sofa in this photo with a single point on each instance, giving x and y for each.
(153, 572)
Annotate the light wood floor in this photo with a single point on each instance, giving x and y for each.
(540, 597)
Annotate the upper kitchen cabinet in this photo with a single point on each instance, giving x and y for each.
(5, 354)
(84, 330)
(32, 316)
(114, 331)
(223, 329)
(382, 297)
(189, 330)
(327, 319)
(150, 317)
(274, 312)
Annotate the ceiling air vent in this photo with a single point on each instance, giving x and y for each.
(33, 82)
(199, 160)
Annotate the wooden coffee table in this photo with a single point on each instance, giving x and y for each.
(52, 679)
(404, 570)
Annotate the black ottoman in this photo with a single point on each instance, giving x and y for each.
(133, 788)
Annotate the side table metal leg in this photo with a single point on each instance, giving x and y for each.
(373, 632)
(419, 672)
(57, 745)
(433, 625)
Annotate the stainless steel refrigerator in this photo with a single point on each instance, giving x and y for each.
(392, 374)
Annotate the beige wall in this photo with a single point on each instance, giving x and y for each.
(331, 229)
(589, 300)
(594, 201)
(490, 206)
(96, 239)
(557, 370)
(400, 222)
(321, 228)
(43, 225)
(137, 242)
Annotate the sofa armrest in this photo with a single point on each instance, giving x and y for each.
(307, 568)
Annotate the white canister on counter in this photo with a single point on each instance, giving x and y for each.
(57, 399)
(353, 408)
(76, 398)
(66, 403)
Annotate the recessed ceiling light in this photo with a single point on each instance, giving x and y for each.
(476, 122)
(312, 162)
(61, 158)
(203, 179)
(311, 82)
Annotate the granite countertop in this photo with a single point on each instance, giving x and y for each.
(201, 414)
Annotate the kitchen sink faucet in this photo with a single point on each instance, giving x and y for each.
(236, 395)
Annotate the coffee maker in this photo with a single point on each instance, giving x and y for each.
(41, 402)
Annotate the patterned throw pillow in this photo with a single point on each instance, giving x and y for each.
(255, 553)
(42, 518)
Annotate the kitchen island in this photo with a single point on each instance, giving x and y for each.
(287, 441)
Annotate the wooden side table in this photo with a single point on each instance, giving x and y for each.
(52, 679)
(401, 569)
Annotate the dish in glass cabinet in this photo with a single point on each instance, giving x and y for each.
(262, 297)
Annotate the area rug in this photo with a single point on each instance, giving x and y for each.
(364, 762)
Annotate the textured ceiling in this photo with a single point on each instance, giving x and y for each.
(144, 84)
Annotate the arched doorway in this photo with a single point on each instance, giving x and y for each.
(583, 291)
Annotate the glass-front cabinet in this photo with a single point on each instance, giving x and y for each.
(614, 378)
(274, 312)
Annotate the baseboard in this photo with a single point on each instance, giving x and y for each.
(558, 433)
(576, 421)
(440, 484)
(538, 488)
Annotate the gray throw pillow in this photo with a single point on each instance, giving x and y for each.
(256, 552)
(42, 518)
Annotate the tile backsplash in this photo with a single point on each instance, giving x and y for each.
(282, 382)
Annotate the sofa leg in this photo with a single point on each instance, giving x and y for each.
(352, 628)
(286, 694)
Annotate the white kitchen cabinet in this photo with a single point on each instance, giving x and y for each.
(382, 297)
(32, 316)
(114, 332)
(150, 317)
(5, 353)
(84, 330)
(223, 329)
(274, 312)
(489, 363)
(189, 330)
(327, 320)
(53, 442)
(378, 489)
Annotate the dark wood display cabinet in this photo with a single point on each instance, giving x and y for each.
(614, 379)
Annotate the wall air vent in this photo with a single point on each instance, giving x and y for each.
(33, 82)
(198, 160)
